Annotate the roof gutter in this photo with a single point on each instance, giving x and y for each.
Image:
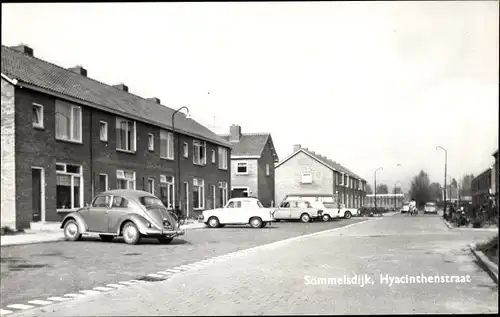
(12, 81)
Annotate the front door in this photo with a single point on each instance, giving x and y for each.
(36, 186)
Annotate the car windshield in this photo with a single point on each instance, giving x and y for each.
(329, 205)
(151, 202)
(431, 204)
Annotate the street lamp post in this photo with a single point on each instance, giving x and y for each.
(177, 151)
(445, 168)
(375, 188)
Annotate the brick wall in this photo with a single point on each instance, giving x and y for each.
(288, 177)
(249, 180)
(8, 169)
(266, 183)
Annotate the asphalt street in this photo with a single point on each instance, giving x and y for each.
(31, 272)
(283, 278)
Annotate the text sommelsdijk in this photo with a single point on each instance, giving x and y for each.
(386, 279)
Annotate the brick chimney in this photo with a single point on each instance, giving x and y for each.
(296, 147)
(121, 87)
(79, 70)
(234, 133)
(22, 48)
(155, 100)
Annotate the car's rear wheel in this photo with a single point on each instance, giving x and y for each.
(131, 234)
(165, 240)
(106, 237)
(256, 222)
(305, 218)
(72, 231)
(347, 215)
(213, 222)
(326, 218)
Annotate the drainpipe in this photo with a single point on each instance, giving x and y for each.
(92, 178)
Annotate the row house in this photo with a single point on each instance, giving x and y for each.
(484, 187)
(253, 157)
(305, 172)
(67, 137)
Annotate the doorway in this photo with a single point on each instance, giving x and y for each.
(37, 197)
(239, 192)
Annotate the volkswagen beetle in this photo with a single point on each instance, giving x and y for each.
(131, 214)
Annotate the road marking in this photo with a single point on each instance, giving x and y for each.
(173, 271)
(72, 295)
(135, 281)
(164, 273)
(40, 302)
(155, 275)
(20, 306)
(102, 289)
(127, 283)
(88, 292)
(58, 299)
(5, 312)
(115, 285)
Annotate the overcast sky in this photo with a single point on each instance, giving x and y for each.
(368, 84)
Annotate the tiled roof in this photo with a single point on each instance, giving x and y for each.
(54, 79)
(250, 144)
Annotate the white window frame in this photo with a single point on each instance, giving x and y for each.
(222, 152)
(185, 149)
(71, 137)
(225, 193)
(308, 178)
(170, 150)
(213, 156)
(39, 108)
(200, 183)
(242, 164)
(134, 143)
(151, 142)
(107, 181)
(199, 144)
(268, 172)
(169, 181)
(105, 125)
(127, 179)
(341, 179)
(152, 180)
(73, 175)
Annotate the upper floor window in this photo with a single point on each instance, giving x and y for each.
(68, 122)
(103, 131)
(306, 178)
(166, 145)
(151, 142)
(213, 156)
(222, 158)
(125, 135)
(199, 152)
(37, 116)
(242, 168)
(185, 149)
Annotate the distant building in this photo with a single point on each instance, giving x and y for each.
(388, 201)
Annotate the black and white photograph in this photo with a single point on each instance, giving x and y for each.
(249, 158)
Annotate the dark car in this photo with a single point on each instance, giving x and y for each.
(131, 214)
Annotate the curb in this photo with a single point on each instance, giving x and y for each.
(451, 227)
(165, 274)
(491, 268)
(447, 223)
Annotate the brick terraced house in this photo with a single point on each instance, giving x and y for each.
(306, 173)
(252, 165)
(67, 137)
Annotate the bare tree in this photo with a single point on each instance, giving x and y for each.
(436, 191)
(420, 188)
(369, 189)
(382, 189)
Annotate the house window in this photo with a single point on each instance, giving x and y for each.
(167, 191)
(68, 122)
(198, 193)
(222, 158)
(37, 116)
(69, 186)
(267, 170)
(166, 145)
(125, 135)
(306, 178)
(213, 156)
(199, 152)
(103, 182)
(103, 131)
(186, 149)
(242, 168)
(151, 142)
(223, 193)
(125, 179)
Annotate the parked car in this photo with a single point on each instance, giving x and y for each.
(237, 211)
(329, 210)
(297, 209)
(430, 207)
(405, 208)
(347, 213)
(131, 214)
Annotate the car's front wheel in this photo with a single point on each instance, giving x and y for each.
(256, 222)
(213, 222)
(106, 237)
(326, 218)
(165, 240)
(131, 234)
(72, 231)
(347, 215)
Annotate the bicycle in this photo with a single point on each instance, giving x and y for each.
(414, 212)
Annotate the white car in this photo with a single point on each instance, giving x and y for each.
(347, 213)
(238, 211)
(333, 210)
